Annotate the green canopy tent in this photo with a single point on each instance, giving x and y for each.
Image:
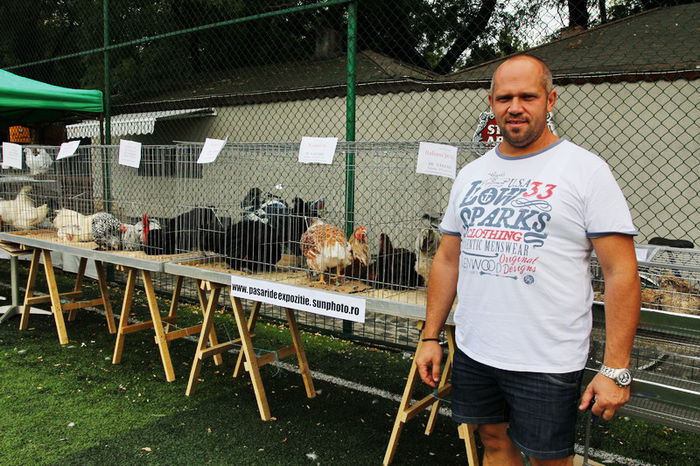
(26, 101)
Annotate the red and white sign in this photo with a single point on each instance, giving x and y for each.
(488, 132)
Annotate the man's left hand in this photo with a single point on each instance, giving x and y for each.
(609, 397)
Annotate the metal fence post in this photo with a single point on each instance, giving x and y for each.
(350, 132)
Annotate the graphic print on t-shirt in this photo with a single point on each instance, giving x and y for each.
(504, 221)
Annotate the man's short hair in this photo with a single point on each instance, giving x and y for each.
(547, 81)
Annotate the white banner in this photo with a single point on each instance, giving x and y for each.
(301, 298)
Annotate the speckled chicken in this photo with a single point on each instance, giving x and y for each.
(106, 231)
(325, 247)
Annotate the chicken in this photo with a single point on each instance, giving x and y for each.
(134, 236)
(670, 294)
(198, 229)
(106, 231)
(325, 247)
(677, 295)
(395, 267)
(38, 164)
(73, 226)
(426, 246)
(359, 268)
(20, 212)
(252, 245)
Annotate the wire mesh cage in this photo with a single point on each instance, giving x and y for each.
(250, 210)
(666, 353)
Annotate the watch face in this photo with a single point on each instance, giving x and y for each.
(624, 379)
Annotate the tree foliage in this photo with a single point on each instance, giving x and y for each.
(439, 35)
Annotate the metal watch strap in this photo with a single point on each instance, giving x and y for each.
(615, 374)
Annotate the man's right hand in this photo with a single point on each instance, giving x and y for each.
(428, 361)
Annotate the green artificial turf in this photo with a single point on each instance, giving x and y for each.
(70, 405)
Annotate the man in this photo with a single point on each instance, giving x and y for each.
(519, 228)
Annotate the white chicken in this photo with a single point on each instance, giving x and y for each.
(73, 226)
(325, 247)
(38, 163)
(20, 212)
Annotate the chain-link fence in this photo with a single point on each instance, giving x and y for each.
(399, 70)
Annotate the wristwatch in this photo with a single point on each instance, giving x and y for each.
(622, 377)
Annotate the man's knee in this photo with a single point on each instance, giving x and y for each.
(494, 436)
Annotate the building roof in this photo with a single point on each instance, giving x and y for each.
(659, 41)
(290, 81)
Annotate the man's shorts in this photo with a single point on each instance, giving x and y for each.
(540, 408)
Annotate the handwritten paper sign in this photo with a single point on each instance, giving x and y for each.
(11, 155)
(317, 150)
(67, 149)
(129, 153)
(437, 159)
(211, 150)
(301, 298)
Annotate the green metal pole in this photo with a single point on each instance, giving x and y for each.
(350, 120)
(106, 182)
(350, 133)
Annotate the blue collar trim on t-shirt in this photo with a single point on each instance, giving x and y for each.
(520, 157)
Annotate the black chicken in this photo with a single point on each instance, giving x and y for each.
(252, 245)
(394, 267)
(298, 221)
(198, 229)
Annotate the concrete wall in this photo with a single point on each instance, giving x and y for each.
(646, 131)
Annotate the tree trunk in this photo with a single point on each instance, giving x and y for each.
(578, 14)
(470, 33)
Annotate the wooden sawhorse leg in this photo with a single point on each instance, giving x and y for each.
(54, 296)
(247, 357)
(253, 362)
(304, 368)
(408, 410)
(162, 335)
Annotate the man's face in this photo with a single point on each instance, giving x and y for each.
(520, 102)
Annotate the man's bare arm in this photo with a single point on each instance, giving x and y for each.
(442, 288)
(622, 306)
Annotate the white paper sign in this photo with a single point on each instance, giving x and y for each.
(303, 299)
(317, 150)
(211, 150)
(11, 155)
(437, 159)
(129, 153)
(67, 149)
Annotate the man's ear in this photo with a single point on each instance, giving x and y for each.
(551, 100)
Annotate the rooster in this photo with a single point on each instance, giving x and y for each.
(38, 164)
(426, 246)
(325, 247)
(359, 268)
(73, 226)
(20, 212)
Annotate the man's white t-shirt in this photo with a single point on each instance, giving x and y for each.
(524, 288)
